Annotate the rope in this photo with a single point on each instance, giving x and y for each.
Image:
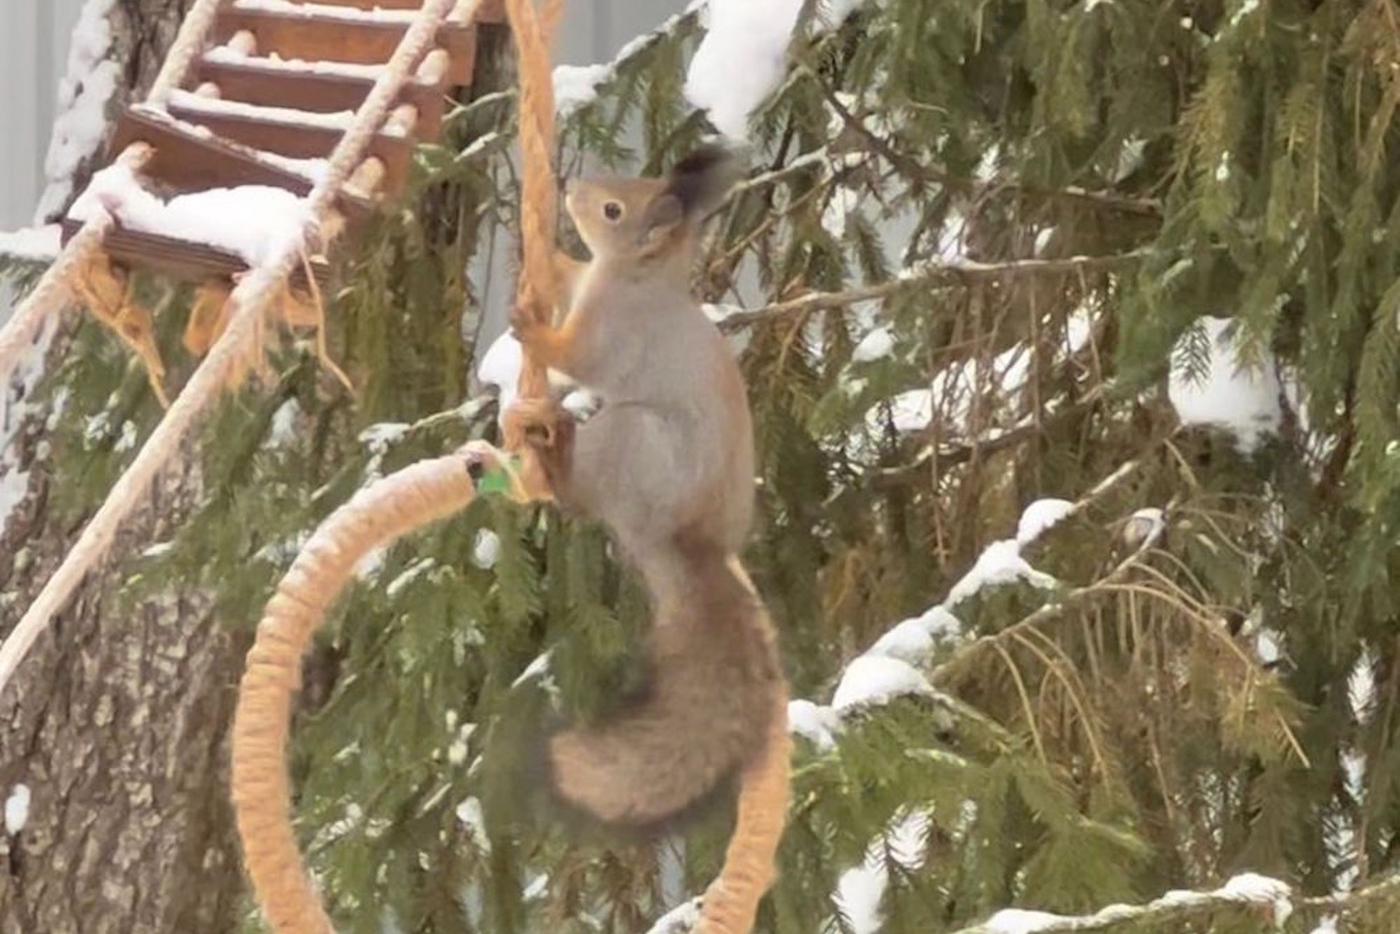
(54, 291)
(251, 298)
(538, 292)
(398, 504)
(55, 288)
(110, 295)
(188, 45)
(732, 900)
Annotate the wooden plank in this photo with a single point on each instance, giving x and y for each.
(188, 162)
(271, 86)
(489, 11)
(181, 259)
(360, 41)
(300, 141)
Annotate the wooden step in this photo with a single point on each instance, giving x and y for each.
(187, 160)
(272, 83)
(269, 132)
(358, 39)
(182, 259)
(488, 11)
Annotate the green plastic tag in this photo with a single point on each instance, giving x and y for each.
(498, 480)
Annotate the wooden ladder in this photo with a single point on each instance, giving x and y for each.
(268, 100)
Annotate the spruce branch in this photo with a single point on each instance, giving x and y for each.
(929, 272)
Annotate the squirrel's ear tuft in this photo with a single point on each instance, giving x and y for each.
(702, 179)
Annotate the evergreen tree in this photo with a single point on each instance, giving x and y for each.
(1143, 555)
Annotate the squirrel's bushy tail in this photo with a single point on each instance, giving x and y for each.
(706, 712)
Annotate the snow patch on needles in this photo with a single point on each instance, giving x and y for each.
(31, 244)
(999, 563)
(1039, 516)
(816, 722)
(1019, 921)
(500, 367)
(741, 60)
(250, 221)
(873, 679)
(1243, 400)
(860, 890)
(576, 86)
(89, 84)
(1261, 890)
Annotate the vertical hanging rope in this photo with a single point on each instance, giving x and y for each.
(255, 293)
(538, 292)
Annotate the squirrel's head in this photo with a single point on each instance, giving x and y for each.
(638, 218)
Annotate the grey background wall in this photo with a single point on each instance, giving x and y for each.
(34, 52)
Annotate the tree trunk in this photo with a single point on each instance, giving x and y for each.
(116, 723)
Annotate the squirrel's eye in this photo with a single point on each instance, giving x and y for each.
(612, 210)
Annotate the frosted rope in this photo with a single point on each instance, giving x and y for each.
(398, 504)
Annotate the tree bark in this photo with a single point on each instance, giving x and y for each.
(117, 721)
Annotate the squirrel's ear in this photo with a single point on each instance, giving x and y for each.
(663, 215)
(702, 179)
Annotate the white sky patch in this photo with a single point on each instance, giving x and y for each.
(17, 809)
(283, 430)
(1241, 400)
(741, 60)
(876, 345)
(844, 202)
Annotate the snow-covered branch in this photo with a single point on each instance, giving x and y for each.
(921, 275)
(678, 920)
(1271, 897)
(30, 244)
(577, 86)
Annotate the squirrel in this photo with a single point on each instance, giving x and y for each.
(667, 465)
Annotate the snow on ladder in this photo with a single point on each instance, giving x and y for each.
(321, 101)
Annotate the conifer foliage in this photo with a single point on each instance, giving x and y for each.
(1071, 330)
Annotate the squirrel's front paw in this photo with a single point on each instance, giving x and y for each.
(534, 421)
(527, 328)
(482, 457)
